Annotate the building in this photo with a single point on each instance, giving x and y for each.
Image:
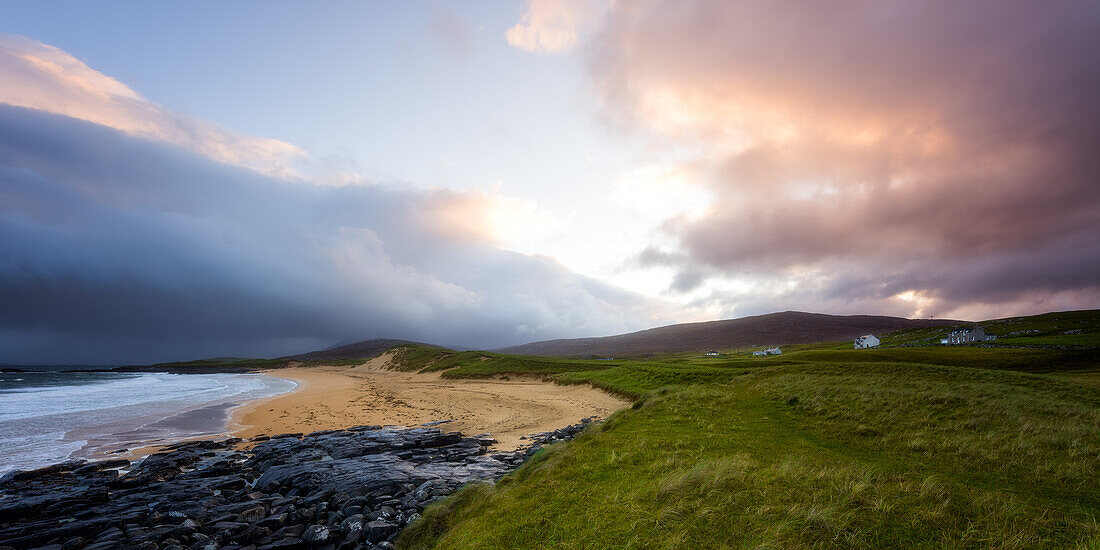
(968, 336)
(711, 353)
(769, 351)
(866, 341)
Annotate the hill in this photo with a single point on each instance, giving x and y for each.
(336, 355)
(773, 329)
(358, 350)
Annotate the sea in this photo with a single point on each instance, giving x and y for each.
(54, 414)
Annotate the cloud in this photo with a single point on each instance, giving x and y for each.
(118, 246)
(658, 189)
(43, 77)
(864, 150)
(551, 26)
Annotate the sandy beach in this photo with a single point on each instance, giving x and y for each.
(341, 397)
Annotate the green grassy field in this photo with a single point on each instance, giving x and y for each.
(822, 447)
(1059, 329)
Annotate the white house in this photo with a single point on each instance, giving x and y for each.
(711, 353)
(968, 335)
(866, 341)
(769, 351)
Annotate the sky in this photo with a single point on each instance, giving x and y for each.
(202, 179)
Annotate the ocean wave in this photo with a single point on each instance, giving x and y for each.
(37, 424)
(34, 402)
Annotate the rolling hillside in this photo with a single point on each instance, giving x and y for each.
(788, 327)
(358, 350)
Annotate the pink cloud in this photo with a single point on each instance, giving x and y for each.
(906, 146)
(43, 77)
(551, 26)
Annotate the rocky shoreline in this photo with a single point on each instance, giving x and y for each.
(337, 489)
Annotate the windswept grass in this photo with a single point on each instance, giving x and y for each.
(820, 448)
(1030, 360)
(479, 364)
(1079, 329)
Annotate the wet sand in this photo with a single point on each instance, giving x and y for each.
(342, 397)
(134, 437)
(199, 423)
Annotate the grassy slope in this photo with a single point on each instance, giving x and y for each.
(1045, 330)
(821, 447)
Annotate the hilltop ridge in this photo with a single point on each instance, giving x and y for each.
(788, 327)
(355, 350)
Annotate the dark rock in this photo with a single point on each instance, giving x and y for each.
(252, 515)
(287, 543)
(355, 534)
(290, 531)
(229, 527)
(113, 533)
(101, 465)
(251, 534)
(275, 521)
(378, 531)
(224, 518)
(75, 543)
(316, 535)
(104, 545)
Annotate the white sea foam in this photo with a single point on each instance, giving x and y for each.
(37, 423)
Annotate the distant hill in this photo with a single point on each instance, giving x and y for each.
(358, 350)
(773, 329)
(366, 349)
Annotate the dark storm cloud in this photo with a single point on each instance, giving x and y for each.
(115, 248)
(868, 147)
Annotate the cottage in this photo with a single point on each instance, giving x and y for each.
(769, 351)
(711, 353)
(968, 335)
(866, 341)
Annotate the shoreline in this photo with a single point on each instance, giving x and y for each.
(341, 397)
(134, 438)
(329, 398)
(206, 421)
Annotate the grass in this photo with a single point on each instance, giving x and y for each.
(822, 447)
(479, 364)
(1079, 329)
